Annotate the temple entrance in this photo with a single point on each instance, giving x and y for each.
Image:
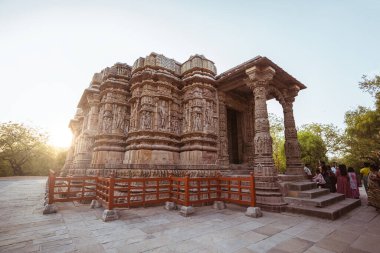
(235, 141)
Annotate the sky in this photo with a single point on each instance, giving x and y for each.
(49, 50)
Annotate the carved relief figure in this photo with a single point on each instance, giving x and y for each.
(208, 115)
(198, 122)
(163, 115)
(107, 122)
(146, 120)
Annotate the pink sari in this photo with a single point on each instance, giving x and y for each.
(343, 185)
(353, 184)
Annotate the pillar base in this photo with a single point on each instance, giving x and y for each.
(50, 208)
(219, 205)
(109, 215)
(186, 210)
(254, 212)
(95, 204)
(170, 205)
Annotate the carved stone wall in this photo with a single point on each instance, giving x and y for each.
(112, 111)
(155, 125)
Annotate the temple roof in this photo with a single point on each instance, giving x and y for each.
(234, 77)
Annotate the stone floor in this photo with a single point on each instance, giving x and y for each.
(77, 228)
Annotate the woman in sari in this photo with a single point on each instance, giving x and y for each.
(374, 187)
(353, 182)
(343, 185)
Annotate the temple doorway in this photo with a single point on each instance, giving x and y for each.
(234, 133)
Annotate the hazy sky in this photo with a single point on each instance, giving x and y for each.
(49, 50)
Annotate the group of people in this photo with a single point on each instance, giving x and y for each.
(344, 180)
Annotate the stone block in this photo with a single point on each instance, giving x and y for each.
(254, 212)
(109, 215)
(50, 208)
(95, 204)
(186, 210)
(170, 205)
(219, 205)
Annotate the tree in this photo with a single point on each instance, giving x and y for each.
(372, 86)
(278, 141)
(363, 128)
(331, 135)
(313, 149)
(19, 144)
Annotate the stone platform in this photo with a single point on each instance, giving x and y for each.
(77, 228)
(305, 198)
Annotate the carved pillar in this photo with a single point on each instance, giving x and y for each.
(264, 165)
(223, 158)
(292, 147)
(267, 188)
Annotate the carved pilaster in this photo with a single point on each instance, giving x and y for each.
(223, 138)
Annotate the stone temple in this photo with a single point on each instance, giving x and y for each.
(160, 116)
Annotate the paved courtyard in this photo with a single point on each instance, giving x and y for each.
(77, 228)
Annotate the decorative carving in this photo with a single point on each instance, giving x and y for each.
(107, 121)
(163, 115)
(146, 120)
(197, 122)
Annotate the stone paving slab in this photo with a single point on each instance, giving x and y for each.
(77, 228)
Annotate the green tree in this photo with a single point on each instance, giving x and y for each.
(19, 144)
(331, 135)
(313, 149)
(363, 128)
(278, 140)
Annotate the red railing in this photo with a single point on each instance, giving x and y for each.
(67, 189)
(134, 192)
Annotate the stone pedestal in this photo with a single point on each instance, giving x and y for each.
(170, 205)
(50, 208)
(95, 204)
(254, 212)
(109, 215)
(186, 210)
(219, 205)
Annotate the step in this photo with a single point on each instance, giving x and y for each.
(302, 186)
(331, 212)
(320, 201)
(309, 194)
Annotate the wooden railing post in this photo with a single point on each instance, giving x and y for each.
(51, 187)
(187, 190)
(170, 187)
(96, 185)
(252, 189)
(219, 187)
(111, 192)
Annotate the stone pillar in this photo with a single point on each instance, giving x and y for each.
(223, 159)
(267, 188)
(292, 147)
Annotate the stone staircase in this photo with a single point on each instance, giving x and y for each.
(306, 198)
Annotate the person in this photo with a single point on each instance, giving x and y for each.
(333, 168)
(307, 171)
(374, 187)
(364, 172)
(325, 175)
(342, 183)
(318, 178)
(353, 182)
(332, 181)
